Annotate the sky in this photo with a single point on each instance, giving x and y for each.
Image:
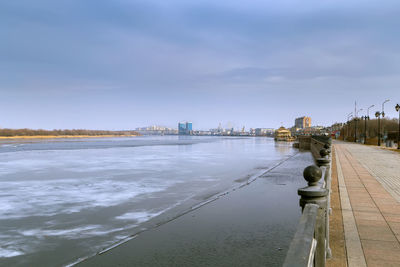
(124, 64)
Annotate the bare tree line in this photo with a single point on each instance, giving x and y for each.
(73, 132)
(388, 129)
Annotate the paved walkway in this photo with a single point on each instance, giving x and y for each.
(369, 187)
(383, 164)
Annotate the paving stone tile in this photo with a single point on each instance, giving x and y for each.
(362, 201)
(378, 190)
(375, 232)
(355, 185)
(365, 215)
(392, 217)
(359, 195)
(381, 263)
(376, 250)
(371, 223)
(364, 208)
(390, 209)
(385, 201)
(395, 226)
(380, 195)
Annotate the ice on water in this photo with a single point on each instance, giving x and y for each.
(64, 190)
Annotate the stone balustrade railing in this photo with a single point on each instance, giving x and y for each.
(310, 245)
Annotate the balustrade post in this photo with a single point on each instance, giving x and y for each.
(314, 193)
(325, 162)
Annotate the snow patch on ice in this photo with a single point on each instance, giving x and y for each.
(47, 198)
(72, 233)
(139, 217)
(7, 253)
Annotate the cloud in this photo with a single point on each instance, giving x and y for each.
(185, 50)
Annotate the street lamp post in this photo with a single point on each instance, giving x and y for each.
(365, 124)
(348, 123)
(383, 107)
(378, 115)
(365, 118)
(355, 129)
(383, 115)
(355, 125)
(398, 134)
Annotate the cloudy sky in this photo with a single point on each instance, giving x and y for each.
(122, 64)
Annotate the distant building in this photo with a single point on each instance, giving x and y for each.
(156, 130)
(182, 128)
(314, 130)
(283, 134)
(189, 127)
(202, 133)
(264, 132)
(185, 128)
(302, 122)
(336, 127)
(295, 131)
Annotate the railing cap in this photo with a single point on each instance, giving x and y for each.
(324, 152)
(312, 174)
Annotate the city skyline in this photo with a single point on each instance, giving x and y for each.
(111, 65)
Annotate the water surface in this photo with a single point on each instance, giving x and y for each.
(66, 199)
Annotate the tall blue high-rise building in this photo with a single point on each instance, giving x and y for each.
(189, 127)
(182, 128)
(185, 128)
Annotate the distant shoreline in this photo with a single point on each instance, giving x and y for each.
(61, 136)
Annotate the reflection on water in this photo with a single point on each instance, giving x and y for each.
(283, 147)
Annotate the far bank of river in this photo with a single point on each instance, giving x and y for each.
(60, 136)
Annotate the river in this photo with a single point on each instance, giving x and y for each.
(65, 199)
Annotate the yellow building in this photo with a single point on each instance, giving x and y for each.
(283, 134)
(302, 122)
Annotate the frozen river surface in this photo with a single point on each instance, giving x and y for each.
(61, 200)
